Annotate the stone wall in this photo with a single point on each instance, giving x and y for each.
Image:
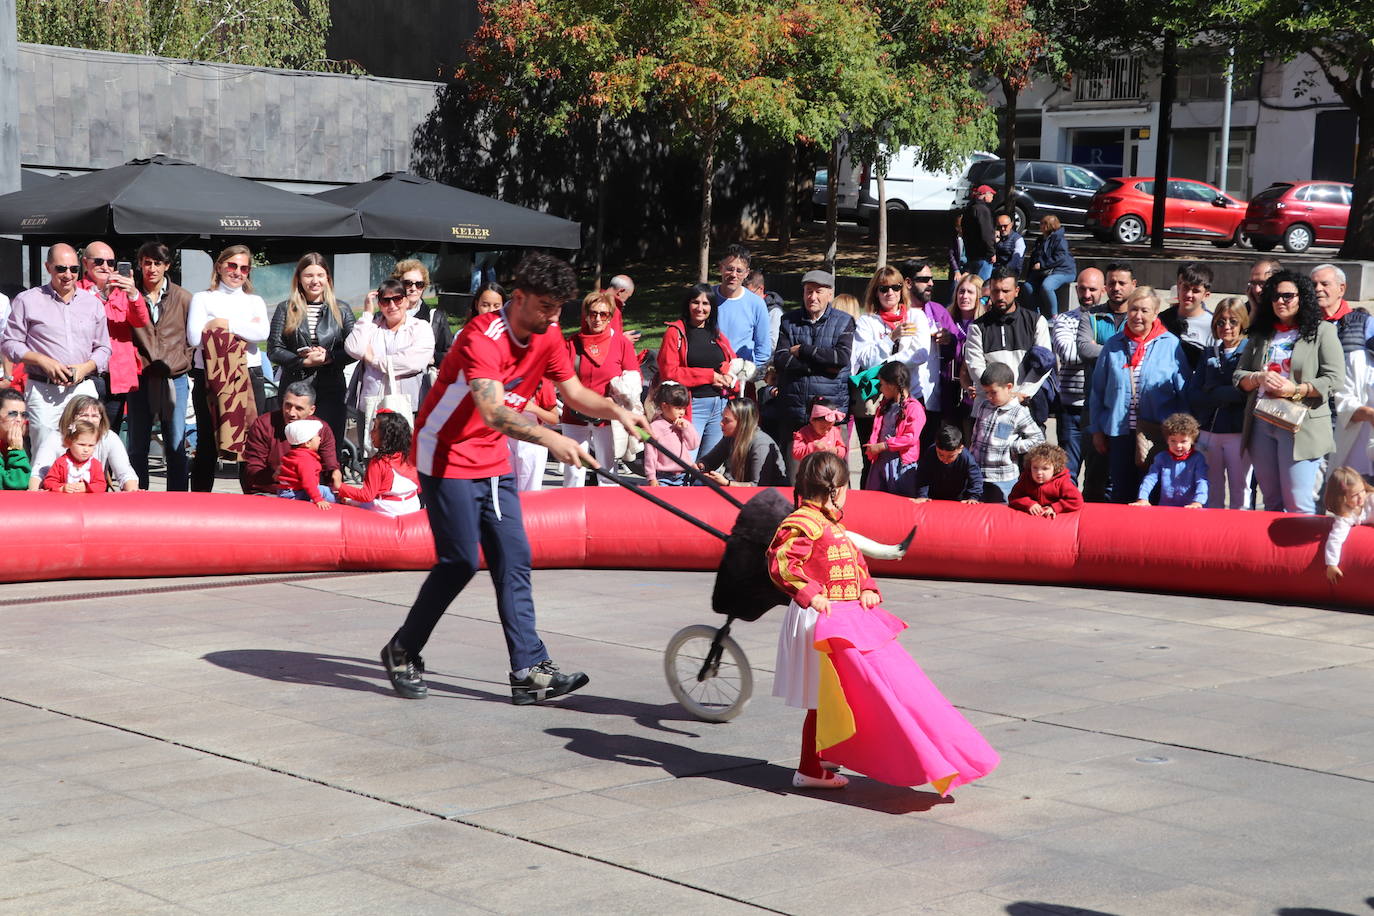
(96, 109)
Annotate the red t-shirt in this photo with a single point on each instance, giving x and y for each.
(451, 439)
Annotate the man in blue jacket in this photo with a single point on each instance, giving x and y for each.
(814, 345)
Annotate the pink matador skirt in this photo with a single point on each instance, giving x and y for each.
(877, 712)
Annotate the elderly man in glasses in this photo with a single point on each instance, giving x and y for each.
(60, 333)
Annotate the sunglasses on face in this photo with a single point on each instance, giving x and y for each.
(925, 279)
(1224, 322)
(65, 269)
(602, 316)
(413, 284)
(13, 414)
(1005, 227)
(890, 289)
(244, 269)
(1285, 297)
(102, 262)
(393, 298)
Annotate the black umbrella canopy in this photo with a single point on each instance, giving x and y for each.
(399, 206)
(29, 180)
(162, 196)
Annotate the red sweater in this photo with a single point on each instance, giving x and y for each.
(672, 358)
(1059, 493)
(300, 470)
(598, 371)
(56, 478)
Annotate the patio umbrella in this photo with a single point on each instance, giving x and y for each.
(29, 180)
(401, 206)
(162, 196)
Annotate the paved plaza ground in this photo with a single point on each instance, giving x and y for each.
(232, 746)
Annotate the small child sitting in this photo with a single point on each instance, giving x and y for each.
(1045, 488)
(77, 470)
(949, 471)
(822, 434)
(1179, 470)
(895, 443)
(299, 474)
(674, 431)
(1003, 430)
(391, 485)
(1347, 498)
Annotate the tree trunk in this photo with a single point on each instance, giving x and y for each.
(788, 216)
(599, 251)
(1013, 96)
(832, 206)
(1168, 82)
(708, 175)
(882, 219)
(1359, 234)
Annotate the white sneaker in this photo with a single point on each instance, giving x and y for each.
(834, 781)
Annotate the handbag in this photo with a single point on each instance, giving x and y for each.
(1281, 412)
(390, 399)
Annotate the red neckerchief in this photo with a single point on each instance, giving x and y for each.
(1281, 328)
(1156, 330)
(595, 346)
(1341, 311)
(892, 318)
(1184, 457)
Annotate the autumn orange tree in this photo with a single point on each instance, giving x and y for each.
(710, 68)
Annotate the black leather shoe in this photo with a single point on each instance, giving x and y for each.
(544, 682)
(404, 671)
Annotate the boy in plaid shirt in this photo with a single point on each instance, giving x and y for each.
(1003, 431)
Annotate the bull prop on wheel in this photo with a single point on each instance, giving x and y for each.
(708, 684)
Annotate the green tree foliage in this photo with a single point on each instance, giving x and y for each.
(264, 33)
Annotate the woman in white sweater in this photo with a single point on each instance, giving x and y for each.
(398, 344)
(229, 304)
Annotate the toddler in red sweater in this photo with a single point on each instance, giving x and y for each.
(299, 474)
(1045, 488)
(77, 470)
(821, 434)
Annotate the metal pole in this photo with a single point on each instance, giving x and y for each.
(1226, 119)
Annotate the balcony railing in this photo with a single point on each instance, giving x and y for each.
(1113, 80)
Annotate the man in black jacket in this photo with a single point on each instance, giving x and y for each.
(980, 244)
(812, 357)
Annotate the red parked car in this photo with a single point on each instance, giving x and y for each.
(1121, 209)
(1299, 214)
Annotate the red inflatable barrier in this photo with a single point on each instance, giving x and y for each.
(1258, 555)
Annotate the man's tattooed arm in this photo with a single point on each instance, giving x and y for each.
(490, 397)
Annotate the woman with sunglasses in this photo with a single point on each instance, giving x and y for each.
(1295, 354)
(306, 340)
(228, 305)
(892, 327)
(604, 359)
(395, 342)
(1220, 406)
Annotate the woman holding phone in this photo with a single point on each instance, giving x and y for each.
(307, 338)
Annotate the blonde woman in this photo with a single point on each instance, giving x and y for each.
(892, 327)
(306, 340)
(749, 455)
(229, 305)
(1220, 406)
(959, 391)
(1050, 267)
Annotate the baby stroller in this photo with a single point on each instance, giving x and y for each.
(707, 671)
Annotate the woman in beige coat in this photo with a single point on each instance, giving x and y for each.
(1294, 353)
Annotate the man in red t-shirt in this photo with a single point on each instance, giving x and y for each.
(491, 371)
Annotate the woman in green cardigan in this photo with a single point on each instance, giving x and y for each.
(1294, 353)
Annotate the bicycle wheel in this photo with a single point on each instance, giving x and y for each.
(725, 690)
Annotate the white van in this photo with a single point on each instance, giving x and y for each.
(910, 186)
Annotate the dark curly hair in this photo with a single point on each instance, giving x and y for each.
(393, 434)
(540, 274)
(1310, 314)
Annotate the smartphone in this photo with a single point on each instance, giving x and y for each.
(125, 268)
(301, 351)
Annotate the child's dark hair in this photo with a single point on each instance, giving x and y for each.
(80, 427)
(393, 433)
(1193, 273)
(819, 476)
(895, 372)
(949, 439)
(671, 394)
(1045, 453)
(1180, 424)
(996, 375)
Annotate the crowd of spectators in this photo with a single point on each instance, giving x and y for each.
(1157, 397)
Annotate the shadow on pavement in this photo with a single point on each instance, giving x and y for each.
(750, 772)
(350, 673)
(1040, 908)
